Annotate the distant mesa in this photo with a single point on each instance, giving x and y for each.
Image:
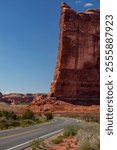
(18, 98)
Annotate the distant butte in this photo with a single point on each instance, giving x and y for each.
(77, 73)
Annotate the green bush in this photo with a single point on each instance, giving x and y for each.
(70, 130)
(28, 114)
(26, 123)
(13, 123)
(58, 140)
(6, 123)
(9, 119)
(8, 114)
(41, 119)
(3, 123)
(35, 144)
(12, 115)
(49, 116)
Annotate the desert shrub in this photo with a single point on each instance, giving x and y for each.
(70, 130)
(3, 123)
(26, 122)
(35, 144)
(49, 116)
(8, 114)
(28, 114)
(88, 138)
(13, 123)
(6, 123)
(58, 139)
(90, 118)
(41, 119)
(12, 115)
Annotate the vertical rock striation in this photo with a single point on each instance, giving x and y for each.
(77, 73)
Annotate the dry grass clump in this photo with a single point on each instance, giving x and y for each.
(36, 144)
(89, 138)
(69, 130)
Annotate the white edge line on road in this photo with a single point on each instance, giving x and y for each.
(35, 139)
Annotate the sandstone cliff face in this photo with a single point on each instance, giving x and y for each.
(77, 69)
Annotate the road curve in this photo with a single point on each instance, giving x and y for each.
(17, 139)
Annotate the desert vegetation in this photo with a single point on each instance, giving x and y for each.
(89, 118)
(88, 137)
(69, 130)
(9, 119)
(36, 144)
(85, 138)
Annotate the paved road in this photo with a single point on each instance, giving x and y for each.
(17, 139)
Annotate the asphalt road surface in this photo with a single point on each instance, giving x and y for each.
(18, 139)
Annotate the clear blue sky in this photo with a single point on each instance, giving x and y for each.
(29, 34)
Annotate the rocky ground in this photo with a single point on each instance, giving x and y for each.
(69, 143)
(42, 105)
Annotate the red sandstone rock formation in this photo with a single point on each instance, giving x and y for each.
(17, 98)
(77, 69)
(42, 105)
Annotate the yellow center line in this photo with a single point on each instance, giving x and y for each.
(17, 134)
